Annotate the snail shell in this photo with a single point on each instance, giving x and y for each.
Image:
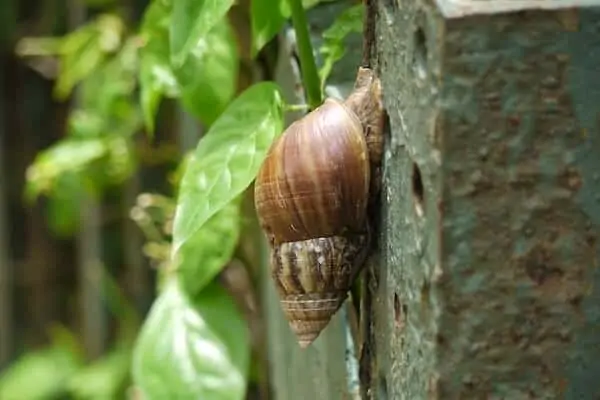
(313, 277)
(311, 196)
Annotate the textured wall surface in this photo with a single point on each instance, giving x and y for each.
(489, 287)
(487, 281)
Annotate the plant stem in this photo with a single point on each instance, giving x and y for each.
(310, 76)
(295, 107)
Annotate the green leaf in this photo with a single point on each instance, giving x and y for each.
(105, 378)
(205, 82)
(156, 75)
(349, 21)
(64, 204)
(227, 159)
(39, 46)
(65, 156)
(267, 19)
(97, 161)
(50, 369)
(81, 56)
(192, 349)
(157, 16)
(85, 49)
(208, 78)
(205, 254)
(152, 74)
(177, 174)
(109, 91)
(72, 168)
(192, 20)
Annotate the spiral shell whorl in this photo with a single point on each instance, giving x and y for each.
(313, 277)
(316, 180)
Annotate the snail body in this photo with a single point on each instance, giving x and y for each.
(312, 194)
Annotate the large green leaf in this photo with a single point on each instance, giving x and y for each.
(192, 350)
(204, 255)
(205, 82)
(208, 78)
(192, 20)
(227, 159)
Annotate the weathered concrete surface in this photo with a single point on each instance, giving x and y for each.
(489, 288)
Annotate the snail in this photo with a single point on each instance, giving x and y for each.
(312, 195)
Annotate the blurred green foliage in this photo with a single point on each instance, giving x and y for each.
(52, 367)
(60, 371)
(194, 342)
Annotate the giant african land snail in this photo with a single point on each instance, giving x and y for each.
(312, 194)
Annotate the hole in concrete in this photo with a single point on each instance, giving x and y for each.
(418, 189)
(441, 340)
(400, 311)
(420, 53)
(387, 129)
(425, 295)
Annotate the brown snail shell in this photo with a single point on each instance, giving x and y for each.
(313, 277)
(315, 180)
(311, 197)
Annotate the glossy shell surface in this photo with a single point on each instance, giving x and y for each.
(315, 181)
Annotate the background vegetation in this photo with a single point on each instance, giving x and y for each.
(132, 134)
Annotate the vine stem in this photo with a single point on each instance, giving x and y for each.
(308, 66)
(295, 107)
